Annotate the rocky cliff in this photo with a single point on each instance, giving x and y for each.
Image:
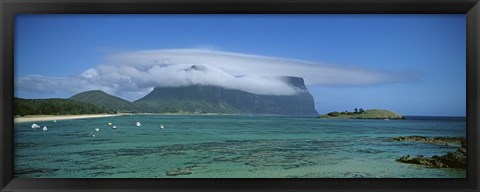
(215, 99)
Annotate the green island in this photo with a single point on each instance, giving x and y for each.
(364, 114)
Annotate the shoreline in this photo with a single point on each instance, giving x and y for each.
(35, 118)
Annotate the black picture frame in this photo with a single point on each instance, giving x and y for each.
(8, 9)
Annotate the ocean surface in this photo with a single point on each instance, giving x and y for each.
(227, 146)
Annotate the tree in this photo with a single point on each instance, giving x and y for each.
(333, 114)
(361, 110)
(356, 110)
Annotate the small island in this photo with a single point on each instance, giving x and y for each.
(364, 114)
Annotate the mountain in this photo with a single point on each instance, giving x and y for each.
(100, 98)
(215, 99)
(54, 107)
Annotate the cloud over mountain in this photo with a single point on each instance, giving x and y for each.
(133, 74)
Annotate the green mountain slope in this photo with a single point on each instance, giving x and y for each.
(214, 99)
(100, 98)
(191, 106)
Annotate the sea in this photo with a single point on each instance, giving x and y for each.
(231, 146)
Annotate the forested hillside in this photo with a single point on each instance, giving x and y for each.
(55, 107)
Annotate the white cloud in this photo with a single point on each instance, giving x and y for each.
(132, 75)
(90, 73)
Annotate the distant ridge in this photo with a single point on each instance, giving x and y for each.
(100, 98)
(203, 99)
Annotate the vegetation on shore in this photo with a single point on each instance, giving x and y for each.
(24, 107)
(364, 114)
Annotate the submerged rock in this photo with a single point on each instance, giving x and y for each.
(183, 170)
(433, 140)
(178, 172)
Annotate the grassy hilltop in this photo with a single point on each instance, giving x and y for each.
(367, 114)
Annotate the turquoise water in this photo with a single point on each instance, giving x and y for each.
(229, 146)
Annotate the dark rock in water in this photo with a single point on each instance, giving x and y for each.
(421, 160)
(433, 140)
(457, 159)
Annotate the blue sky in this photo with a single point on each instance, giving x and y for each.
(411, 64)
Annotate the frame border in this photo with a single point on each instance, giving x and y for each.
(8, 9)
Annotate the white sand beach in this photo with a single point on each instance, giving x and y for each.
(34, 118)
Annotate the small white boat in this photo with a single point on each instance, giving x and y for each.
(139, 124)
(54, 121)
(114, 127)
(93, 135)
(34, 126)
(386, 119)
(97, 129)
(109, 124)
(162, 126)
(45, 128)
